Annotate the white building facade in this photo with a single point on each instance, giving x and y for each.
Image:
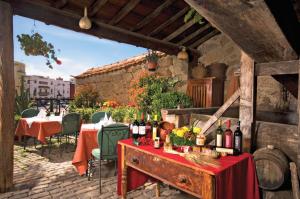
(44, 87)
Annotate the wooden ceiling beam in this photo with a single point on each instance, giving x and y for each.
(151, 16)
(69, 20)
(124, 11)
(194, 34)
(277, 68)
(95, 7)
(168, 22)
(204, 38)
(180, 30)
(60, 4)
(251, 25)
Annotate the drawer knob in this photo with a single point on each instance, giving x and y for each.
(135, 160)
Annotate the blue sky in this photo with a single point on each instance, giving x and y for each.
(78, 51)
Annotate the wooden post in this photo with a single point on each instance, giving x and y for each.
(298, 155)
(7, 91)
(247, 100)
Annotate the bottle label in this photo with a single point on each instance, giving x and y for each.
(228, 141)
(142, 130)
(154, 133)
(135, 130)
(219, 140)
(237, 142)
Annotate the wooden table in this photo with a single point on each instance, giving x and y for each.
(235, 178)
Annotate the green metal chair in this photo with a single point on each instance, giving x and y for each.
(70, 126)
(31, 112)
(108, 137)
(96, 117)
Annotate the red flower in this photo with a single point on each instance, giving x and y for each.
(58, 62)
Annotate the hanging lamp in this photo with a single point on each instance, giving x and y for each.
(183, 55)
(85, 22)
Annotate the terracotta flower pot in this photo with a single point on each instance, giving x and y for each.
(152, 66)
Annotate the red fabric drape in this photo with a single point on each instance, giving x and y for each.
(235, 178)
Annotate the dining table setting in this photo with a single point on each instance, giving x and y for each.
(40, 126)
(87, 141)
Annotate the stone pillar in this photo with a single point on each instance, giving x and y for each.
(7, 91)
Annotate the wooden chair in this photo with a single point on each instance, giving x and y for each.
(108, 137)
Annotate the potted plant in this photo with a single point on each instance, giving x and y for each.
(152, 58)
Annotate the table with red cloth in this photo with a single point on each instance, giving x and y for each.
(87, 141)
(38, 129)
(234, 179)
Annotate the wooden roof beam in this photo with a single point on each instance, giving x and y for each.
(153, 14)
(95, 7)
(60, 4)
(168, 22)
(204, 39)
(124, 11)
(69, 20)
(251, 25)
(179, 30)
(277, 68)
(194, 34)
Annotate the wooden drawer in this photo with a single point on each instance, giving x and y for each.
(185, 178)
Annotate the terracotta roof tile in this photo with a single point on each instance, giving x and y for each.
(116, 66)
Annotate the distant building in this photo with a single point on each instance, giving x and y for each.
(44, 87)
(72, 88)
(19, 69)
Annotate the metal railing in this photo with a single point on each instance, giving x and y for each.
(52, 105)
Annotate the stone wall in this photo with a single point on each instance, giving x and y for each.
(114, 85)
(221, 49)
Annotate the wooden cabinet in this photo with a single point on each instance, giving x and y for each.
(188, 179)
(206, 92)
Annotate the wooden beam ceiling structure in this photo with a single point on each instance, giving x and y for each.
(170, 21)
(251, 25)
(153, 14)
(124, 11)
(69, 20)
(60, 4)
(95, 7)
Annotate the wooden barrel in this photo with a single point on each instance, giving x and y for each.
(272, 168)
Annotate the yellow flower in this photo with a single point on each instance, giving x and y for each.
(180, 133)
(197, 130)
(185, 128)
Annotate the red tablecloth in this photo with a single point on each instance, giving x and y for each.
(87, 141)
(235, 178)
(40, 130)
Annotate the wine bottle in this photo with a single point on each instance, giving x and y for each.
(142, 127)
(135, 128)
(228, 135)
(154, 128)
(148, 127)
(238, 139)
(219, 135)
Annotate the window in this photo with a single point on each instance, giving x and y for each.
(28, 81)
(35, 81)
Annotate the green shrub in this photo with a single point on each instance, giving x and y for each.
(158, 93)
(85, 113)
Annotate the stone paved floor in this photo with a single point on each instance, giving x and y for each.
(53, 176)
